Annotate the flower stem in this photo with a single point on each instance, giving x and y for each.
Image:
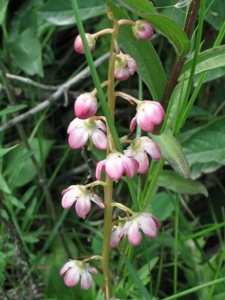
(108, 189)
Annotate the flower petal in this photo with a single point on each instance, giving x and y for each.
(133, 123)
(99, 167)
(83, 206)
(134, 235)
(148, 225)
(115, 239)
(69, 198)
(143, 161)
(78, 138)
(114, 166)
(70, 264)
(99, 139)
(72, 277)
(95, 198)
(86, 280)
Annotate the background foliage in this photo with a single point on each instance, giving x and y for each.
(187, 257)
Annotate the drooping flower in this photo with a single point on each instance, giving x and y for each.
(144, 221)
(81, 198)
(142, 30)
(73, 270)
(78, 45)
(116, 165)
(125, 66)
(139, 149)
(85, 106)
(80, 130)
(149, 113)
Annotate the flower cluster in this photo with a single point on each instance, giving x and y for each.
(87, 126)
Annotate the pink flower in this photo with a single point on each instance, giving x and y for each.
(139, 149)
(78, 45)
(142, 30)
(145, 221)
(80, 130)
(148, 114)
(81, 198)
(73, 270)
(85, 106)
(116, 165)
(125, 66)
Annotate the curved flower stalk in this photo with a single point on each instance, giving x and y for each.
(80, 197)
(139, 149)
(144, 221)
(81, 130)
(117, 165)
(75, 271)
(149, 113)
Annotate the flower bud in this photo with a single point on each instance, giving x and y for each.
(142, 30)
(78, 45)
(148, 114)
(125, 66)
(85, 106)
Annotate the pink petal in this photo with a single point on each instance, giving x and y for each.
(134, 235)
(99, 167)
(129, 165)
(154, 111)
(99, 139)
(153, 150)
(72, 277)
(83, 206)
(133, 123)
(69, 198)
(73, 124)
(142, 159)
(115, 239)
(97, 200)
(114, 166)
(101, 125)
(148, 225)
(78, 138)
(122, 74)
(144, 121)
(70, 264)
(86, 280)
(85, 106)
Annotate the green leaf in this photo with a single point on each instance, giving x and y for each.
(162, 206)
(149, 65)
(26, 51)
(3, 8)
(60, 12)
(172, 152)
(141, 6)
(21, 163)
(133, 273)
(207, 144)
(216, 14)
(207, 60)
(2, 267)
(16, 202)
(4, 151)
(170, 180)
(3, 185)
(165, 25)
(12, 109)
